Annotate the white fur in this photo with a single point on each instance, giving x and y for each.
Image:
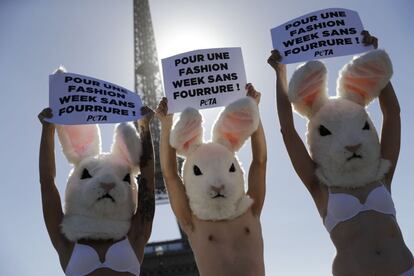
(187, 133)
(345, 117)
(87, 216)
(214, 160)
(236, 123)
(368, 74)
(308, 81)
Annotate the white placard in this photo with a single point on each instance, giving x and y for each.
(320, 34)
(77, 99)
(204, 78)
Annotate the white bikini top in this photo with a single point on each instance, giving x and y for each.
(342, 207)
(119, 257)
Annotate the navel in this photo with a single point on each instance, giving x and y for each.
(246, 230)
(210, 238)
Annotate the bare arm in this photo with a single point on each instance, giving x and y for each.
(391, 129)
(299, 156)
(173, 182)
(391, 124)
(141, 223)
(52, 207)
(257, 171)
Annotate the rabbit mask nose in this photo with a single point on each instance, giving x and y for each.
(353, 148)
(217, 190)
(107, 186)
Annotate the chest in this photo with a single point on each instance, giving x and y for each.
(93, 256)
(240, 231)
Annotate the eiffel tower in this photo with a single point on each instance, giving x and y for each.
(171, 257)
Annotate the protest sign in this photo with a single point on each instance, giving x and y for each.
(204, 78)
(77, 99)
(320, 34)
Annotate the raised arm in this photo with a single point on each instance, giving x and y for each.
(52, 207)
(391, 123)
(391, 128)
(173, 182)
(141, 223)
(299, 156)
(257, 171)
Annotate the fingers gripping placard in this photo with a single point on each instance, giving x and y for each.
(77, 99)
(320, 34)
(204, 78)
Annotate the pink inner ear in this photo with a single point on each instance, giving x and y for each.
(374, 68)
(233, 140)
(234, 125)
(359, 85)
(310, 92)
(314, 75)
(80, 137)
(187, 144)
(363, 78)
(190, 133)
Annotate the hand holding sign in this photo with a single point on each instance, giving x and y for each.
(321, 34)
(368, 39)
(77, 99)
(253, 93)
(162, 113)
(44, 116)
(275, 60)
(203, 78)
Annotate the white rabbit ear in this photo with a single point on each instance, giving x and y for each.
(307, 88)
(79, 141)
(362, 79)
(127, 144)
(236, 123)
(187, 133)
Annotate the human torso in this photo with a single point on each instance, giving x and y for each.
(369, 242)
(106, 258)
(228, 247)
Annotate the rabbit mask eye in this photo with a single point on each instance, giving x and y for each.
(366, 126)
(232, 168)
(323, 131)
(127, 178)
(197, 170)
(85, 174)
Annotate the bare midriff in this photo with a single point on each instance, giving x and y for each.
(228, 247)
(371, 243)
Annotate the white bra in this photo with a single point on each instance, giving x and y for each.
(119, 257)
(342, 207)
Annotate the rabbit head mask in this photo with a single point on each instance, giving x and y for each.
(212, 174)
(101, 194)
(341, 136)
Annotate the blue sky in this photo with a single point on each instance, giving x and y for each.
(94, 38)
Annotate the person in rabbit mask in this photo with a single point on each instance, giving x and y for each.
(221, 221)
(106, 223)
(349, 171)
